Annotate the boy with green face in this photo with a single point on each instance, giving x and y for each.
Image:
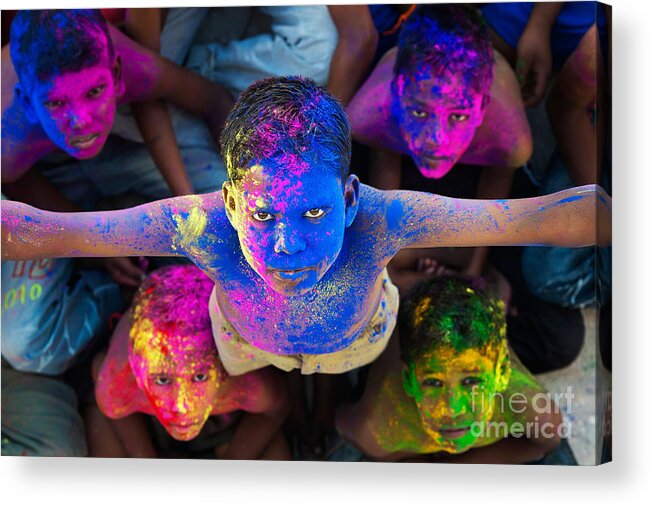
(457, 392)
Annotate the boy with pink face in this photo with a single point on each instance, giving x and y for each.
(162, 361)
(443, 97)
(64, 72)
(296, 246)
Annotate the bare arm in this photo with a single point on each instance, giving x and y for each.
(495, 182)
(534, 59)
(148, 76)
(155, 229)
(118, 398)
(575, 217)
(355, 49)
(152, 118)
(577, 94)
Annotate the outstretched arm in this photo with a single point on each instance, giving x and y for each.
(155, 229)
(575, 217)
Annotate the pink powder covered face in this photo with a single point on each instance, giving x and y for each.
(437, 117)
(77, 109)
(172, 353)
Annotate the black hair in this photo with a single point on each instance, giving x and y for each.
(46, 43)
(450, 37)
(449, 311)
(286, 115)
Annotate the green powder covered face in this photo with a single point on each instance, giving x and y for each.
(453, 340)
(454, 392)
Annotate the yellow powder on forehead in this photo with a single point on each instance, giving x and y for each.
(147, 342)
(445, 354)
(420, 310)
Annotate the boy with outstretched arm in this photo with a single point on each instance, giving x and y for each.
(296, 246)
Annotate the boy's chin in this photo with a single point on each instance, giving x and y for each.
(436, 172)
(291, 289)
(184, 434)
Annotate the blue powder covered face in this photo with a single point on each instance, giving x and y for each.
(290, 218)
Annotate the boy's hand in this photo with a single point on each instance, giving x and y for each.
(124, 272)
(533, 66)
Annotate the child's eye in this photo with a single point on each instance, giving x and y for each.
(314, 213)
(458, 117)
(420, 114)
(471, 381)
(200, 377)
(262, 216)
(53, 104)
(435, 383)
(96, 91)
(162, 381)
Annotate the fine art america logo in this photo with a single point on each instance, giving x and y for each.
(542, 405)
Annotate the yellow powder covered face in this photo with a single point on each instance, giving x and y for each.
(454, 393)
(181, 380)
(172, 353)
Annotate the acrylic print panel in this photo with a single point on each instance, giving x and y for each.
(324, 313)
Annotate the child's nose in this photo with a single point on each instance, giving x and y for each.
(79, 118)
(180, 406)
(437, 133)
(456, 403)
(288, 240)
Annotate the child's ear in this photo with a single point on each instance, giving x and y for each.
(26, 103)
(118, 82)
(485, 102)
(409, 383)
(351, 197)
(502, 367)
(229, 202)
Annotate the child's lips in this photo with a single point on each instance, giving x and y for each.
(83, 141)
(289, 276)
(183, 426)
(454, 432)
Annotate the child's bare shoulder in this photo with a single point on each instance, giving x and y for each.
(23, 142)
(370, 109)
(391, 418)
(257, 391)
(504, 137)
(142, 69)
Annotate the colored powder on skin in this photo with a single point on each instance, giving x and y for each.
(561, 202)
(190, 228)
(171, 336)
(395, 214)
